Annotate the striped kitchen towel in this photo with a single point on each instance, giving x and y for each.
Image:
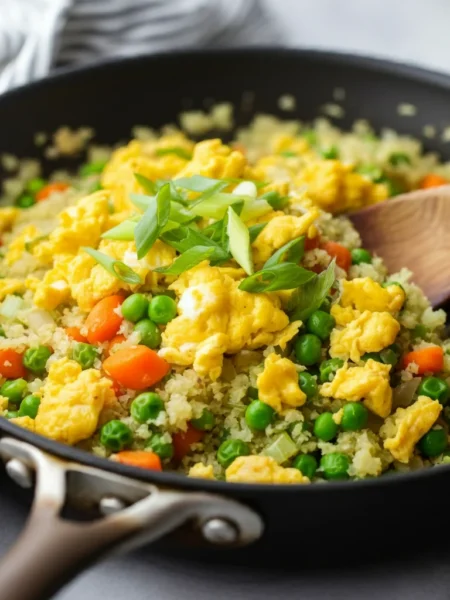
(37, 36)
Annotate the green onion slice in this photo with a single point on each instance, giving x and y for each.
(153, 221)
(189, 259)
(115, 267)
(284, 276)
(239, 241)
(308, 298)
(291, 252)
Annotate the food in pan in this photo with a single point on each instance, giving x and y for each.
(206, 308)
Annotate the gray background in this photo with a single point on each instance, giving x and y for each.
(414, 31)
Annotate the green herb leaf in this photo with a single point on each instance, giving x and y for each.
(189, 259)
(285, 276)
(153, 221)
(32, 243)
(180, 152)
(291, 252)
(184, 238)
(124, 232)
(141, 200)
(307, 299)
(196, 183)
(115, 267)
(239, 241)
(255, 230)
(148, 185)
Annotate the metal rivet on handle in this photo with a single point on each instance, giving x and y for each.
(110, 505)
(219, 531)
(19, 473)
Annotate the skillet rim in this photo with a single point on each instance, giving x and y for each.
(401, 70)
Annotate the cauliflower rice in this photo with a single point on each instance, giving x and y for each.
(207, 308)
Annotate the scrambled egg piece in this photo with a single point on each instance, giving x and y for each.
(8, 216)
(87, 282)
(202, 471)
(278, 383)
(369, 383)
(370, 332)
(215, 317)
(334, 186)
(344, 316)
(71, 402)
(213, 159)
(17, 246)
(11, 286)
(279, 231)
(404, 429)
(364, 293)
(261, 469)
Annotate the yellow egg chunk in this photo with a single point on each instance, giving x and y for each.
(54, 289)
(262, 469)
(71, 402)
(8, 216)
(201, 471)
(344, 316)
(11, 286)
(278, 384)
(79, 225)
(334, 186)
(278, 232)
(370, 332)
(364, 293)
(17, 247)
(369, 383)
(404, 429)
(210, 304)
(213, 159)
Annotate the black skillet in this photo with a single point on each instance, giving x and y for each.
(282, 524)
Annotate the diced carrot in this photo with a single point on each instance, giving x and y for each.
(11, 365)
(183, 440)
(117, 339)
(429, 360)
(312, 243)
(136, 368)
(51, 188)
(140, 458)
(342, 255)
(75, 334)
(432, 180)
(103, 322)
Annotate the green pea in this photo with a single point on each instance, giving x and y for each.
(372, 355)
(308, 349)
(92, 168)
(157, 445)
(394, 186)
(229, 450)
(162, 309)
(335, 465)
(306, 463)
(433, 443)
(330, 153)
(259, 415)
(372, 172)
(35, 185)
(389, 356)
(252, 393)
(205, 421)
(324, 427)
(434, 388)
(399, 158)
(14, 390)
(35, 359)
(320, 323)
(360, 255)
(2, 332)
(308, 384)
(29, 406)
(150, 335)
(146, 407)
(419, 332)
(326, 305)
(354, 416)
(115, 435)
(84, 354)
(25, 201)
(328, 369)
(12, 414)
(135, 307)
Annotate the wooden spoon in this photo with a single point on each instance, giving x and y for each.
(412, 230)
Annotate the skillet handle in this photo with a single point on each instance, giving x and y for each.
(52, 549)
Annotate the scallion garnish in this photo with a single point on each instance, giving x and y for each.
(196, 183)
(185, 238)
(180, 152)
(188, 260)
(153, 221)
(239, 241)
(123, 232)
(255, 230)
(285, 276)
(148, 185)
(291, 252)
(306, 300)
(115, 267)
